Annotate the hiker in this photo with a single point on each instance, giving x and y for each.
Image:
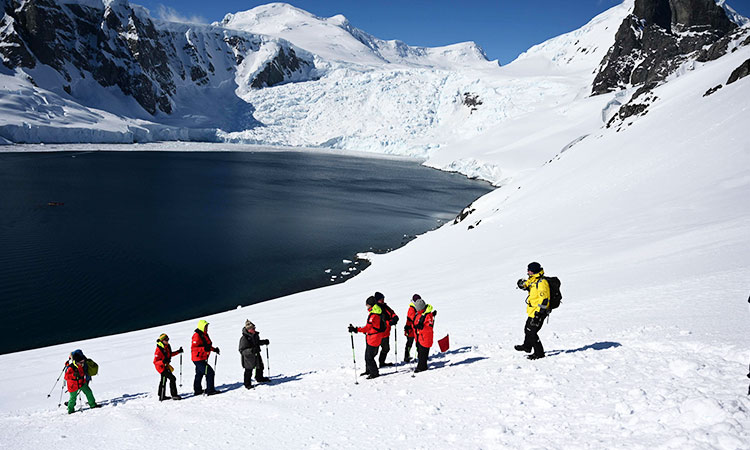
(391, 318)
(409, 327)
(424, 322)
(374, 331)
(250, 343)
(200, 350)
(537, 308)
(76, 374)
(162, 357)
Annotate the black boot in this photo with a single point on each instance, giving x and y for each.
(536, 356)
(521, 348)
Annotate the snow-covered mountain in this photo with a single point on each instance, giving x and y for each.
(335, 39)
(637, 202)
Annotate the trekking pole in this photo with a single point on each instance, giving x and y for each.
(180, 369)
(395, 344)
(62, 390)
(354, 358)
(56, 381)
(268, 360)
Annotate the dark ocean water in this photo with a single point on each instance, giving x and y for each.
(146, 238)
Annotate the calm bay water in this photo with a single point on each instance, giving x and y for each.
(146, 238)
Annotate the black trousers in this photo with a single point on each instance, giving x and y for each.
(167, 375)
(407, 349)
(258, 367)
(370, 366)
(531, 339)
(422, 354)
(203, 369)
(385, 347)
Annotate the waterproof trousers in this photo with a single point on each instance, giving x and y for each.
(74, 396)
(167, 376)
(203, 369)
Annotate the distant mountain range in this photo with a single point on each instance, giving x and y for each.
(105, 71)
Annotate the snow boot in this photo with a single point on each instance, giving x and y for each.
(536, 356)
(370, 377)
(521, 348)
(364, 373)
(176, 397)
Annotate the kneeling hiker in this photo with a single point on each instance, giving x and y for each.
(162, 357)
(424, 322)
(374, 331)
(250, 343)
(537, 308)
(77, 377)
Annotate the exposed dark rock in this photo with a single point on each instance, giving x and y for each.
(742, 71)
(464, 214)
(119, 45)
(637, 106)
(712, 90)
(276, 71)
(658, 37)
(471, 100)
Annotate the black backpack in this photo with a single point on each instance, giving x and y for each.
(555, 296)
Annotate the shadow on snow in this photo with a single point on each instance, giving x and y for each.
(596, 346)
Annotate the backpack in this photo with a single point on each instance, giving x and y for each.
(92, 368)
(555, 296)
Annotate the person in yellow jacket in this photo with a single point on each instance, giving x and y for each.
(537, 308)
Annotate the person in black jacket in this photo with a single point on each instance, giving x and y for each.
(250, 343)
(391, 319)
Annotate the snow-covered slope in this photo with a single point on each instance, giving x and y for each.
(647, 228)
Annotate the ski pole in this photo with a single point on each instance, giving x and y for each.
(180, 369)
(268, 360)
(216, 360)
(395, 344)
(62, 390)
(354, 358)
(56, 381)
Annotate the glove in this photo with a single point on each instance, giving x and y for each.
(180, 350)
(407, 328)
(395, 321)
(264, 342)
(519, 283)
(434, 313)
(352, 328)
(216, 349)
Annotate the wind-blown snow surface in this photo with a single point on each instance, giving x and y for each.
(646, 227)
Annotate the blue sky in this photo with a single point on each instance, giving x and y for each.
(502, 28)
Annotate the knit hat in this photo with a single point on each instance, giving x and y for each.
(163, 337)
(249, 324)
(420, 304)
(370, 301)
(535, 267)
(415, 297)
(379, 296)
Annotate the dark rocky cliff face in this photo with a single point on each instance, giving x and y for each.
(660, 35)
(119, 45)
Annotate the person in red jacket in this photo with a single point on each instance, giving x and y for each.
(162, 357)
(424, 321)
(78, 379)
(200, 350)
(391, 318)
(374, 331)
(409, 327)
